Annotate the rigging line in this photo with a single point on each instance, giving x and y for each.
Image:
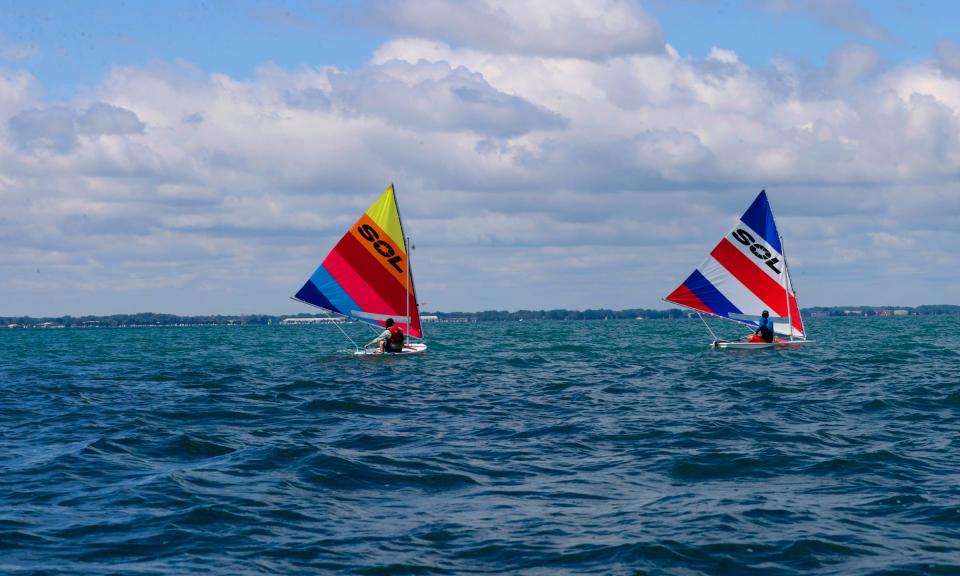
(710, 330)
(691, 308)
(337, 324)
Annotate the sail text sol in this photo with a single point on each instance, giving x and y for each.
(757, 249)
(382, 247)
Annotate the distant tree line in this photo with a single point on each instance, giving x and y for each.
(154, 319)
(562, 314)
(924, 310)
(140, 319)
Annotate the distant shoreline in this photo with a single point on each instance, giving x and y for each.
(146, 319)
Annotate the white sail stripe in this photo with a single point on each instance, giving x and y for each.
(381, 317)
(731, 288)
(756, 318)
(739, 295)
(784, 328)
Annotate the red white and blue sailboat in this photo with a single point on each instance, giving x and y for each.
(745, 274)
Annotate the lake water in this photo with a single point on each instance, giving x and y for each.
(620, 447)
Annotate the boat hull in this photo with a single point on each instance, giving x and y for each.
(408, 350)
(743, 345)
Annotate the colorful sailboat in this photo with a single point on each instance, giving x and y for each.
(745, 274)
(368, 277)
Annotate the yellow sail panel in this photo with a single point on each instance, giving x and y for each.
(384, 212)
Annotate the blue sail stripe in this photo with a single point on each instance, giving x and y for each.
(324, 291)
(709, 295)
(759, 218)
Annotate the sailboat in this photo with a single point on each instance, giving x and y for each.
(745, 274)
(367, 276)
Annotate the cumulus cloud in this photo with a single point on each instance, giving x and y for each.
(58, 128)
(433, 96)
(19, 90)
(52, 128)
(523, 177)
(556, 28)
(103, 118)
(948, 56)
(852, 64)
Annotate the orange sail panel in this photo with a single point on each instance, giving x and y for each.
(367, 275)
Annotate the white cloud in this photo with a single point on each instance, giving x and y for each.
(524, 176)
(18, 90)
(948, 56)
(851, 64)
(553, 28)
(432, 96)
(59, 128)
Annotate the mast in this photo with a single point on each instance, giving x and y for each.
(409, 250)
(786, 287)
(406, 240)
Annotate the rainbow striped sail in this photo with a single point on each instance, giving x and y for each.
(744, 275)
(367, 275)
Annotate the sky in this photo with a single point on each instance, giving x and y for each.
(203, 157)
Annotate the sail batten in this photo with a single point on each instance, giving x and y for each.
(745, 274)
(366, 275)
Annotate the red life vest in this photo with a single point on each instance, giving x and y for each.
(396, 336)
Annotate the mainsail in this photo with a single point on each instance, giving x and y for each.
(367, 275)
(745, 274)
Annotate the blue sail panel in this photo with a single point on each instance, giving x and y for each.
(324, 291)
(759, 218)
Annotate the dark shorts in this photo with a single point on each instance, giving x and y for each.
(388, 348)
(767, 335)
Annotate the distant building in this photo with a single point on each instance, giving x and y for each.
(889, 312)
(314, 320)
(430, 318)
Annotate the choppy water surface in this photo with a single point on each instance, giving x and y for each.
(543, 448)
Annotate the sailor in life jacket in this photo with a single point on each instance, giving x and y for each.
(765, 330)
(391, 339)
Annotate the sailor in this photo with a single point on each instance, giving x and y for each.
(391, 339)
(765, 330)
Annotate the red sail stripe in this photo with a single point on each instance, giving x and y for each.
(795, 315)
(373, 273)
(355, 285)
(685, 297)
(414, 328)
(756, 280)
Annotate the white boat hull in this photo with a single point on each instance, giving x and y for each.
(408, 349)
(740, 345)
(743, 345)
